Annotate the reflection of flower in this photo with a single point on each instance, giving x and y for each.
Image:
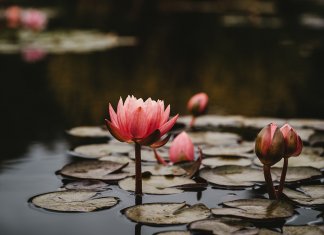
(32, 55)
(181, 149)
(142, 123)
(197, 105)
(33, 19)
(12, 15)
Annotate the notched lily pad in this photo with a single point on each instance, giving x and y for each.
(256, 209)
(166, 213)
(227, 226)
(310, 195)
(93, 185)
(303, 230)
(295, 174)
(100, 150)
(226, 160)
(93, 169)
(232, 176)
(156, 184)
(73, 201)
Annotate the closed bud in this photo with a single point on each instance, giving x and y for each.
(197, 105)
(270, 145)
(181, 149)
(293, 142)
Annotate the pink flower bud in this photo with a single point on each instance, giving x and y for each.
(12, 15)
(197, 105)
(270, 145)
(34, 19)
(181, 149)
(293, 142)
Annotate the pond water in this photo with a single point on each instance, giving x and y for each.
(253, 61)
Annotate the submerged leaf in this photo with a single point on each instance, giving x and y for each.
(156, 184)
(166, 213)
(256, 209)
(73, 201)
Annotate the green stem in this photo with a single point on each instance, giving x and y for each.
(283, 176)
(269, 182)
(138, 170)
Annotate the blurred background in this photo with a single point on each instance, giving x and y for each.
(252, 57)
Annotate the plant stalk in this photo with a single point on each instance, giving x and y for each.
(138, 170)
(192, 122)
(283, 177)
(269, 182)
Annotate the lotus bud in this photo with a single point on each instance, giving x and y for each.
(293, 142)
(270, 145)
(181, 149)
(12, 15)
(197, 105)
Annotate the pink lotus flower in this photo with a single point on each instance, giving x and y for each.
(293, 142)
(197, 104)
(181, 149)
(34, 19)
(140, 122)
(12, 15)
(270, 145)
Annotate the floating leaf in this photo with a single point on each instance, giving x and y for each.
(303, 230)
(118, 159)
(260, 122)
(93, 169)
(156, 184)
(213, 121)
(101, 150)
(305, 134)
(256, 209)
(297, 173)
(307, 123)
(232, 176)
(88, 131)
(93, 185)
(317, 140)
(73, 201)
(147, 155)
(235, 150)
(173, 233)
(214, 138)
(227, 226)
(310, 195)
(226, 160)
(166, 213)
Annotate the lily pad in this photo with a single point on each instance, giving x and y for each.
(89, 132)
(100, 150)
(226, 160)
(147, 155)
(310, 195)
(295, 174)
(307, 123)
(232, 176)
(166, 213)
(214, 138)
(173, 233)
(303, 230)
(93, 185)
(73, 201)
(118, 159)
(305, 134)
(156, 184)
(256, 209)
(235, 150)
(260, 122)
(228, 227)
(93, 169)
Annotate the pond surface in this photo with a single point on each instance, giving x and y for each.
(254, 67)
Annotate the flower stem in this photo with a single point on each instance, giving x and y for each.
(192, 122)
(268, 179)
(138, 170)
(283, 176)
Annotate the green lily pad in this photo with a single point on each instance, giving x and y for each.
(94, 169)
(92, 151)
(93, 185)
(226, 226)
(308, 195)
(73, 201)
(303, 230)
(156, 184)
(256, 209)
(232, 176)
(295, 174)
(89, 132)
(166, 213)
(226, 160)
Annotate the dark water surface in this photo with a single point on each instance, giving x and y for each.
(254, 68)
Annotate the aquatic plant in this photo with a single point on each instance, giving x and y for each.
(141, 123)
(197, 106)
